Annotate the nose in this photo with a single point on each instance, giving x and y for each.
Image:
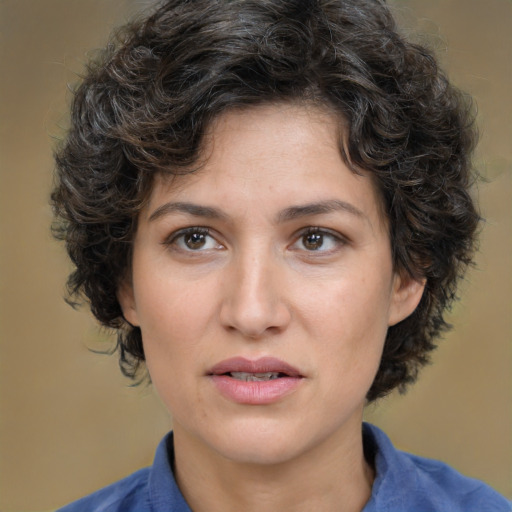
(254, 303)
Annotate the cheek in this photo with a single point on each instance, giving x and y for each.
(168, 304)
(351, 305)
(348, 321)
(170, 335)
(175, 315)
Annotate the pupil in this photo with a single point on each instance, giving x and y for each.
(313, 241)
(195, 240)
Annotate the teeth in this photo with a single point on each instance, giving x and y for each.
(249, 377)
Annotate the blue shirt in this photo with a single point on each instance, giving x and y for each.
(403, 483)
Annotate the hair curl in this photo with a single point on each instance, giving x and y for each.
(145, 103)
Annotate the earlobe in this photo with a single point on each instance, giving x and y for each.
(126, 299)
(407, 293)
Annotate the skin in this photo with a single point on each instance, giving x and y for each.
(258, 283)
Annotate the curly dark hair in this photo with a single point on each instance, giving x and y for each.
(145, 103)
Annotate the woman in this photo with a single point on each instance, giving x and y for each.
(269, 200)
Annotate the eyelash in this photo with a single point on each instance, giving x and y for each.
(203, 232)
(173, 239)
(324, 233)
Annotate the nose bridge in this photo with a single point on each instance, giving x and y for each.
(254, 303)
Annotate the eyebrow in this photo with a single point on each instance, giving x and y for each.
(321, 207)
(286, 215)
(188, 208)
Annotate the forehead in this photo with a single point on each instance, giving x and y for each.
(272, 155)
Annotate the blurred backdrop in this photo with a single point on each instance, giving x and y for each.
(69, 422)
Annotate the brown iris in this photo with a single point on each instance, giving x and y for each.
(195, 240)
(313, 241)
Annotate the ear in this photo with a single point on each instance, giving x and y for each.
(126, 299)
(407, 293)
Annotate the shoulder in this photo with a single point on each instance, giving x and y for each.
(407, 482)
(444, 486)
(127, 495)
(152, 489)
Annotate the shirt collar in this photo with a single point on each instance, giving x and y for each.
(163, 489)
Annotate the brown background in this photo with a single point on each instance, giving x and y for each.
(69, 422)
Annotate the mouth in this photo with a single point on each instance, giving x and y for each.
(263, 369)
(255, 377)
(261, 382)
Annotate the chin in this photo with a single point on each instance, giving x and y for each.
(261, 443)
(260, 453)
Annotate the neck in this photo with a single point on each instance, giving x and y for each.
(333, 476)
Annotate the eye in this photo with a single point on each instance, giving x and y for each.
(193, 239)
(319, 240)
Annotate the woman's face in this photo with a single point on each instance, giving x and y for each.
(264, 287)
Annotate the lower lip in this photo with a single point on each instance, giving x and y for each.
(255, 392)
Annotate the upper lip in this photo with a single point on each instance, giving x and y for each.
(261, 365)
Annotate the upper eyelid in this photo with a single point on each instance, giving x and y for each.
(175, 241)
(206, 230)
(321, 230)
(175, 235)
(339, 239)
(189, 229)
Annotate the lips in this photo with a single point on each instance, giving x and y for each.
(259, 382)
(262, 365)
